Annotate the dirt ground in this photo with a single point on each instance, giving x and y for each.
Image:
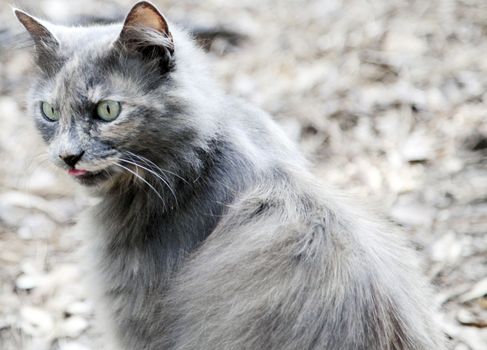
(387, 97)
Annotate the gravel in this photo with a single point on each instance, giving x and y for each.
(387, 97)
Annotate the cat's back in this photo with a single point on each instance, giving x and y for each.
(286, 268)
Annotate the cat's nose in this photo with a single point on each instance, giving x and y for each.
(71, 159)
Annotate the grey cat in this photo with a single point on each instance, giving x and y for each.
(211, 232)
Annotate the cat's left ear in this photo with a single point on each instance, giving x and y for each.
(46, 44)
(145, 31)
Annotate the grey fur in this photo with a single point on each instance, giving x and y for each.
(225, 240)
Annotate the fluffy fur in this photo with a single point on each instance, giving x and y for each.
(211, 233)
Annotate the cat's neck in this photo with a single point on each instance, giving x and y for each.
(164, 229)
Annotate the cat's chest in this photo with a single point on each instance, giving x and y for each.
(137, 257)
(133, 288)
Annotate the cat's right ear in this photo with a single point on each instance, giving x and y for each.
(145, 32)
(46, 44)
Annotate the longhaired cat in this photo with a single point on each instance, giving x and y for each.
(211, 232)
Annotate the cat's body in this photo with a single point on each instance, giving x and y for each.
(226, 242)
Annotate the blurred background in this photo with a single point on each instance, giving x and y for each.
(387, 97)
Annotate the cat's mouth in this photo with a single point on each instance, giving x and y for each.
(89, 178)
(77, 172)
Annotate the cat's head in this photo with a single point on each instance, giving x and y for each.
(110, 96)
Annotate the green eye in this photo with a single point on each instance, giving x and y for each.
(49, 112)
(108, 110)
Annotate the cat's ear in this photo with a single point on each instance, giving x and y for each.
(46, 44)
(146, 32)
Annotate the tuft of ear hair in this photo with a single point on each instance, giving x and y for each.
(146, 32)
(46, 44)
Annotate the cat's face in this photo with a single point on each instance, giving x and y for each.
(106, 96)
(95, 117)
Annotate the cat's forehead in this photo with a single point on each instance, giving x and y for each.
(89, 78)
(77, 48)
(92, 68)
(88, 66)
(83, 49)
(79, 76)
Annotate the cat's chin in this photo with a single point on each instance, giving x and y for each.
(92, 179)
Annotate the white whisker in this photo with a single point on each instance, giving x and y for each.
(155, 174)
(141, 178)
(149, 162)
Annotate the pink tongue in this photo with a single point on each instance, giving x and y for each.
(76, 172)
